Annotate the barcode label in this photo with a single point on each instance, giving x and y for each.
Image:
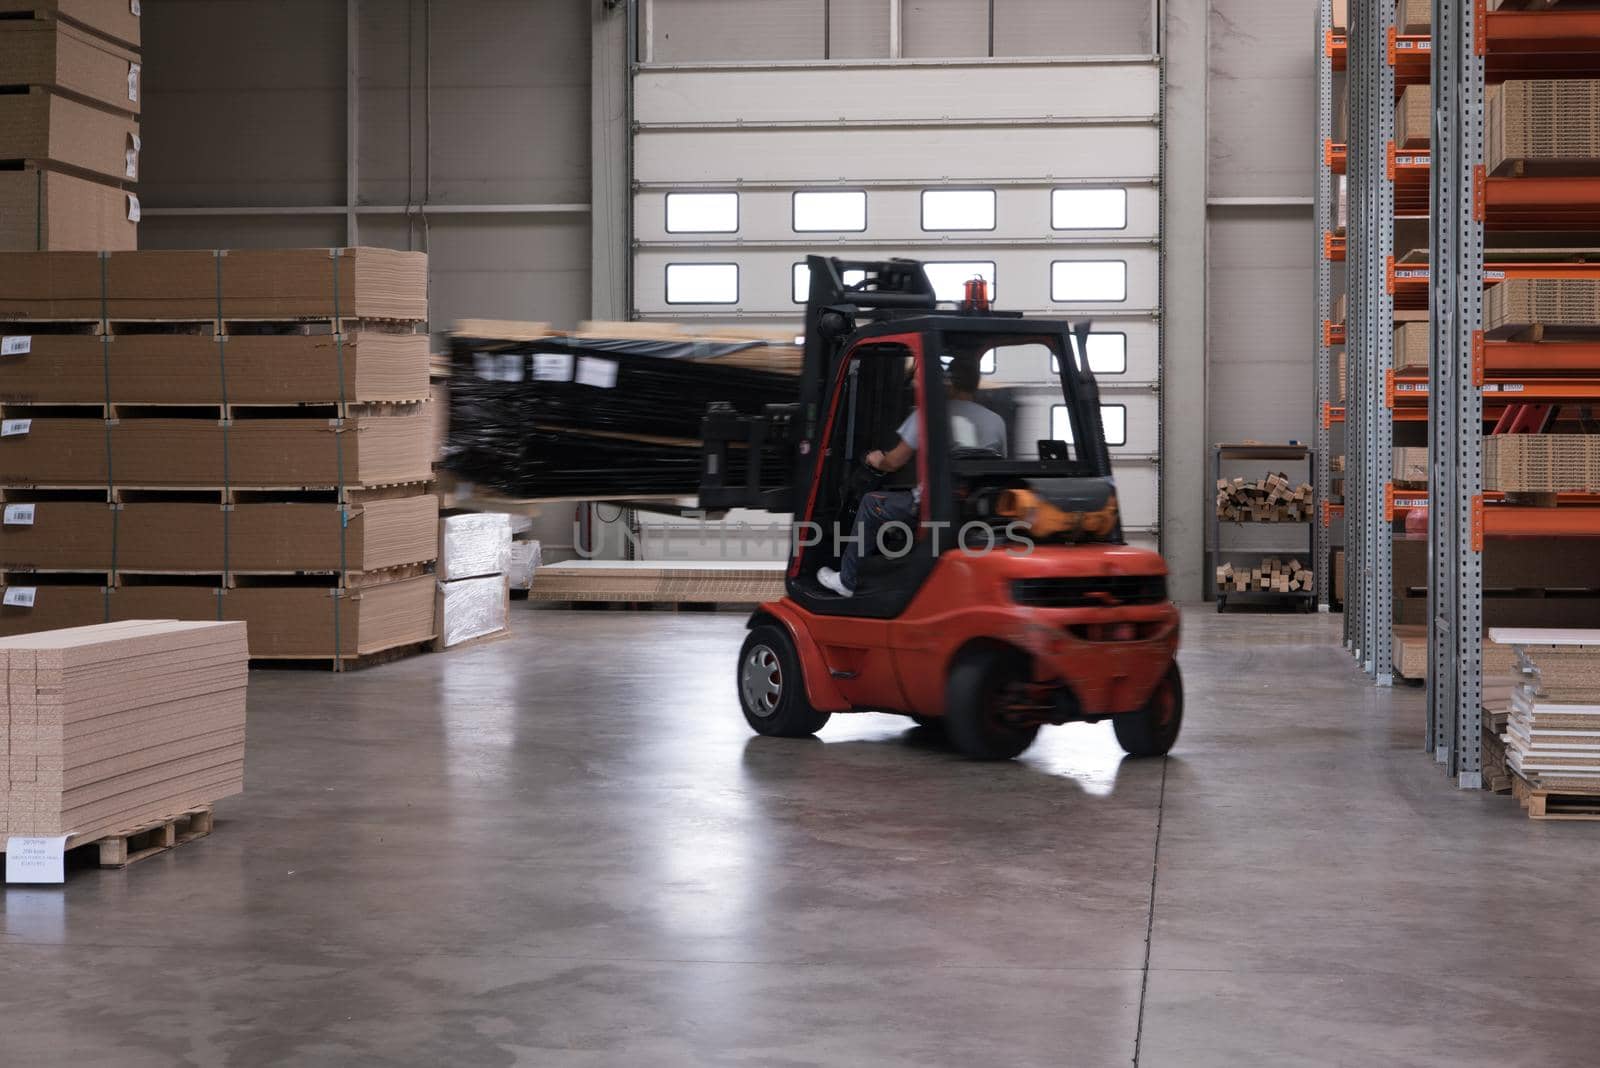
(133, 82)
(133, 6)
(133, 208)
(552, 367)
(13, 427)
(130, 163)
(19, 515)
(16, 346)
(20, 596)
(600, 373)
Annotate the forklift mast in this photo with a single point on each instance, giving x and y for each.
(767, 460)
(778, 446)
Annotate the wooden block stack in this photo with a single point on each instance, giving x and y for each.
(113, 726)
(69, 124)
(1272, 576)
(237, 435)
(1273, 499)
(1552, 734)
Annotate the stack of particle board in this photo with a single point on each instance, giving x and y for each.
(1541, 463)
(474, 594)
(1413, 117)
(1522, 305)
(1553, 731)
(1272, 576)
(660, 581)
(1414, 16)
(69, 124)
(112, 726)
(1412, 348)
(242, 435)
(1411, 466)
(1273, 499)
(1543, 126)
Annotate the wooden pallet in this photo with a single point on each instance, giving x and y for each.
(345, 663)
(1552, 805)
(146, 840)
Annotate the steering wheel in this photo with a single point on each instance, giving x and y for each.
(860, 481)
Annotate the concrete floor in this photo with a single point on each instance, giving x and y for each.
(566, 849)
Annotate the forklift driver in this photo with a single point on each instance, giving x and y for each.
(972, 426)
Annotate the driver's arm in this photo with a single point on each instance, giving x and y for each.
(893, 460)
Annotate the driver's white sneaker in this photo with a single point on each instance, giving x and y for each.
(830, 578)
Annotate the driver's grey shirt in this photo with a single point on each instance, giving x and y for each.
(972, 426)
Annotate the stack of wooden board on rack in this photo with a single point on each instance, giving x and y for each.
(110, 727)
(613, 409)
(1272, 499)
(229, 435)
(1543, 127)
(69, 124)
(1552, 738)
(1541, 463)
(474, 589)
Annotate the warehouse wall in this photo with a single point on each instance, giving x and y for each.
(1261, 160)
(460, 103)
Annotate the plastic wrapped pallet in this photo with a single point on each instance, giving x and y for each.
(524, 561)
(473, 544)
(470, 608)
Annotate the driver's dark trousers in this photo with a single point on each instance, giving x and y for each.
(878, 509)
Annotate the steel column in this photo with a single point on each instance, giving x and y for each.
(1380, 460)
(1323, 302)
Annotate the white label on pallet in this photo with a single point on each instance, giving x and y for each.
(130, 163)
(19, 596)
(133, 6)
(484, 366)
(16, 345)
(552, 367)
(19, 515)
(133, 208)
(1512, 387)
(11, 428)
(36, 860)
(133, 82)
(511, 364)
(596, 372)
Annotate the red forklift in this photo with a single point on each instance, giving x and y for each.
(1013, 602)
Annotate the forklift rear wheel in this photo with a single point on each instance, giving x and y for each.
(1153, 729)
(771, 689)
(982, 684)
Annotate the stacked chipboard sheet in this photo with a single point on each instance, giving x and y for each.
(601, 412)
(1410, 466)
(112, 726)
(1412, 348)
(69, 124)
(1544, 126)
(223, 435)
(1541, 463)
(1413, 118)
(1552, 734)
(474, 591)
(1518, 305)
(660, 581)
(1414, 16)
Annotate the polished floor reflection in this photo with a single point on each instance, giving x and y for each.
(566, 848)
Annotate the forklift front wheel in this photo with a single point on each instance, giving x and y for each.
(1152, 730)
(982, 685)
(772, 692)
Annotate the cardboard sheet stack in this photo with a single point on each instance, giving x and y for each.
(1273, 499)
(526, 554)
(1542, 463)
(112, 726)
(69, 124)
(234, 435)
(474, 592)
(1552, 734)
